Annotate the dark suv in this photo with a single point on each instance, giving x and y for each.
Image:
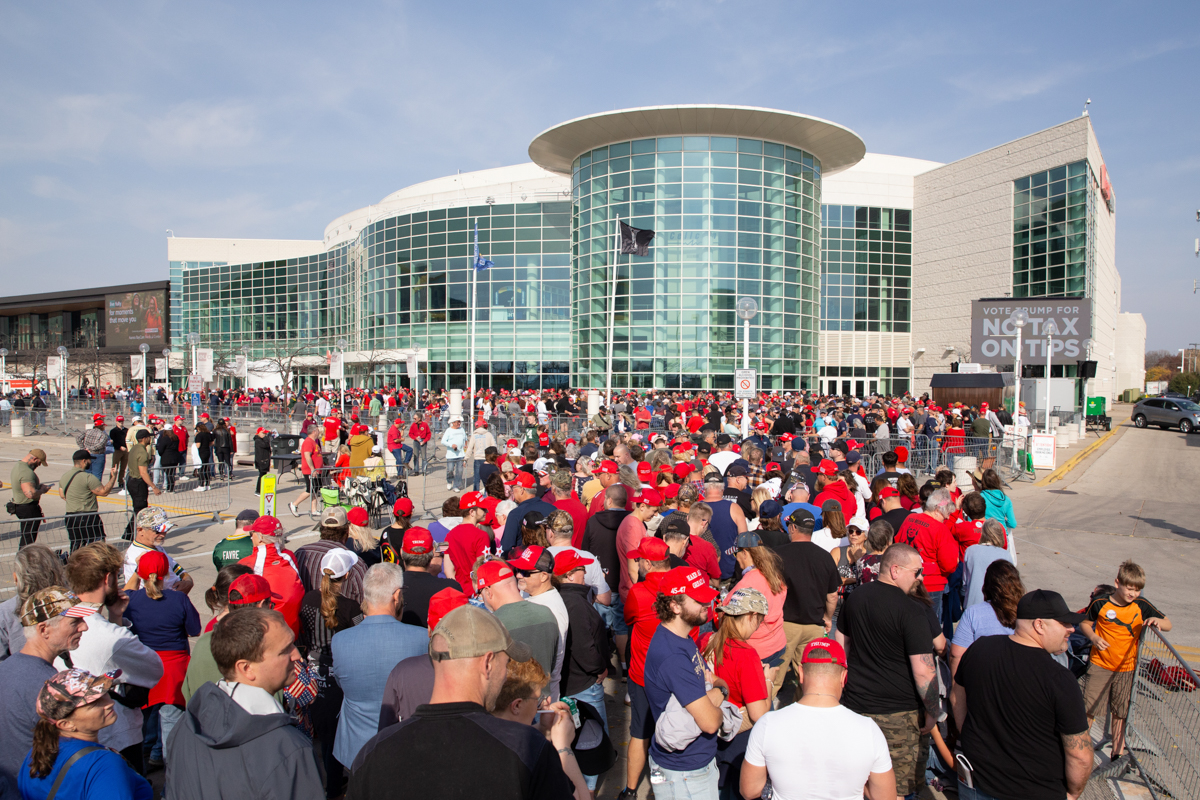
(1167, 412)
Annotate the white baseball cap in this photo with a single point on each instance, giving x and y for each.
(338, 562)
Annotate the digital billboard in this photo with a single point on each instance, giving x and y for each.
(135, 317)
(994, 336)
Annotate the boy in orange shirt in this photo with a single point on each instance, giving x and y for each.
(1114, 626)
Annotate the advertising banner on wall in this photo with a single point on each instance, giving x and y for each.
(53, 368)
(204, 363)
(135, 317)
(993, 335)
(160, 369)
(135, 367)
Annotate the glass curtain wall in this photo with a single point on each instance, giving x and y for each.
(1052, 232)
(733, 218)
(417, 281)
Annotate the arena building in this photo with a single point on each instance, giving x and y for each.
(863, 266)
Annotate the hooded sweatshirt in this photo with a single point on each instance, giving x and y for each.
(220, 750)
(282, 574)
(841, 493)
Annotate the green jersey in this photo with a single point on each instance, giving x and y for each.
(232, 549)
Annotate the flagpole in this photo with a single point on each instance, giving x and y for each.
(471, 331)
(613, 314)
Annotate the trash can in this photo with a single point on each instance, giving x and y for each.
(18, 425)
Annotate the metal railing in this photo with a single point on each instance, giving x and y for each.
(1163, 728)
(64, 533)
(180, 496)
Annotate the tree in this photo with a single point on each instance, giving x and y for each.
(374, 358)
(1157, 373)
(1186, 382)
(1165, 358)
(282, 358)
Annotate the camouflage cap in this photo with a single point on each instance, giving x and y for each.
(744, 601)
(45, 605)
(154, 519)
(561, 479)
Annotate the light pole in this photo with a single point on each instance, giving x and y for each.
(3, 367)
(245, 376)
(1050, 329)
(1019, 318)
(912, 369)
(145, 348)
(193, 340)
(167, 356)
(62, 382)
(341, 346)
(747, 308)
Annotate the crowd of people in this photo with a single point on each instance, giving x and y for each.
(779, 621)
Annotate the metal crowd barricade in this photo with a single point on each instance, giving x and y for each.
(1163, 729)
(179, 486)
(53, 533)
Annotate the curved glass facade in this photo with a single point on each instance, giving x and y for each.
(733, 218)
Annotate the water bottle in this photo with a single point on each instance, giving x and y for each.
(656, 774)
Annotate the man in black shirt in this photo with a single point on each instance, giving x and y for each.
(892, 677)
(1024, 727)
(502, 760)
(422, 565)
(812, 589)
(893, 513)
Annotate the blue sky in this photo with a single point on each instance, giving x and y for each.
(265, 119)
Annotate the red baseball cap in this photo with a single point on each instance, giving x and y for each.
(267, 525)
(683, 470)
(120, 418)
(569, 560)
(670, 491)
(689, 581)
(492, 572)
(178, 418)
(648, 496)
(785, 437)
(824, 651)
(442, 603)
(533, 559)
(249, 589)
(153, 562)
(683, 447)
(761, 425)
(417, 542)
(205, 416)
(468, 500)
(525, 480)
(512, 443)
(358, 516)
(96, 417)
(826, 467)
(607, 468)
(650, 548)
(403, 507)
(888, 491)
(569, 441)
(901, 453)
(644, 470)
(772, 466)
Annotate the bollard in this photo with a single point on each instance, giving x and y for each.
(18, 425)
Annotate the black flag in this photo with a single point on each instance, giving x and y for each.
(634, 241)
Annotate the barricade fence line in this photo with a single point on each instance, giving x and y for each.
(179, 496)
(62, 533)
(1163, 735)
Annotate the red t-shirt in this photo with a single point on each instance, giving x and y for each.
(313, 449)
(642, 622)
(332, 426)
(741, 668)
(466, 543)
(703, 556)
(967, 532)
(579, 518)
(935, 543)
(630, 533)
(695, 423)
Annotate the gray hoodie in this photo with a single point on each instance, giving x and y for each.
(219, 751)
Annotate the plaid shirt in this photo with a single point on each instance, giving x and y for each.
(756, 476)
(94, 440)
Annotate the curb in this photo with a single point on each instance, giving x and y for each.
(1075, 460)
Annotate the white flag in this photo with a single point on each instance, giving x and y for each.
(337, 370)
(160, 369)
(204, 363)
(136, 364)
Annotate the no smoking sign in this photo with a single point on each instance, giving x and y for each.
(744, 381)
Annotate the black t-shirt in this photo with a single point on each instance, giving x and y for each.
(895, 518)
(418, 588)
(485, 472)
(885, 627)
(204, 441)
(501, 760)
(1020, 701)
(810, 575)
(773, 539)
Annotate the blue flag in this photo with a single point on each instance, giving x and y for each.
(480, 262)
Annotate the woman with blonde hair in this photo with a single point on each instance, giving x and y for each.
(834, 534)
(163, 621)
(361, 539)
(324, 612)
(760, 495)
(762, 570)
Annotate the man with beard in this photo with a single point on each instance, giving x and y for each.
(470, 650)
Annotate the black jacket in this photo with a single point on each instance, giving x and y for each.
(168, 450)
(219, 750)
(600, 539)
(586, 655)
(262, 453)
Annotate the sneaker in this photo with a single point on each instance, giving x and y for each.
(121, 493)
(198, 489)
(292, 508)
(449, 487)
(627, 794)
(627, 700)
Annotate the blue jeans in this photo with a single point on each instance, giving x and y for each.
(594, 697)
(157, 724)
(97, 467)
(402, 454)
(421, 460)
(698, 784)
(476, 464)
(454, 469)
(936, 599)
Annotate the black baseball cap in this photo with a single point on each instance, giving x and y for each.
(714, 477)
(736, 471)
(80, 455)
(676, 523)
(247, 515)
(1045, 604)
(143, 433)
(802, 518)
(724, 439)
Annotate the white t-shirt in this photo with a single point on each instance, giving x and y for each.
(723, 459)
(553, 601)
(826, 540)
(593, 573)
(137, 550)
(817, 753)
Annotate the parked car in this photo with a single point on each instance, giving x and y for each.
(1167, 412)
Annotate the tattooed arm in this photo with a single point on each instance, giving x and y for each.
(1077, 748)
(924, 671)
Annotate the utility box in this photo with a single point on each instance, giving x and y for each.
(1095, 406)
